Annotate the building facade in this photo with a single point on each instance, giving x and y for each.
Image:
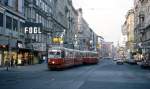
(100, 48)
(11, 33)
(128, 31)
(107, 49)
(38, 13)
(64, 22)
(84, 32)
(142, 25)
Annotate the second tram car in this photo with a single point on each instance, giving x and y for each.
(90, 57)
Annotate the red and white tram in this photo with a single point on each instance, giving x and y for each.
(90, 57)
(60, 57)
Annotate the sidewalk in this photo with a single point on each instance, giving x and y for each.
(29, 68)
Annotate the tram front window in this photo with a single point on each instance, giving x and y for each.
(54, 55)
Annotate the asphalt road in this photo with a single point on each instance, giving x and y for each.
(105, 75)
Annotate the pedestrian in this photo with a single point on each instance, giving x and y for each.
(12, 62)
(146, 56)
(16, 62)
(22, 61)
(7, 63)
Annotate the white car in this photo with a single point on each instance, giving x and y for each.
(115, 59)
(119, 61)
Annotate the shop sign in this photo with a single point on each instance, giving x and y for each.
(57, 40)
(32, 28)
(39, 46)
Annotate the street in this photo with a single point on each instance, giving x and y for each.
(105, 75)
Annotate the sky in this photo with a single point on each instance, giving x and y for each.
(105, 17)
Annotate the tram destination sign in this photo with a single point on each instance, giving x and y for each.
(32, 28)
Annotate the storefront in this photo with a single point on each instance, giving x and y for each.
(39, 52)
(24, 55)
(0, 58)
(3, 50)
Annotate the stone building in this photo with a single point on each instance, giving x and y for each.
(84, 32)
(11, 33)
(107, 49)
(65, 22)
(100, 48)
(142, 25)
(38, 13)
(128, 31)
(16, 16)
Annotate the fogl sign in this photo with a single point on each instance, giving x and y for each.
(32, 28)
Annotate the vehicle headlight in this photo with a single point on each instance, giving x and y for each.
(53, 62)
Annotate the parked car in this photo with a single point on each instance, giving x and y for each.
(119, 61)
(131, 61)
(145, 64)
(115, 59)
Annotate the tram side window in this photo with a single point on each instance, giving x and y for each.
(63, 54)
(66, 54)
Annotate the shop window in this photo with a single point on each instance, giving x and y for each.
(8, 22)
(37, 2)
(1, 19)
(15, 25)
(6, 2)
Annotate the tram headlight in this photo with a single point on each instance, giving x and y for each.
(53, 62)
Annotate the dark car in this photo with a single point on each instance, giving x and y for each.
(145, 64)
(131, 61)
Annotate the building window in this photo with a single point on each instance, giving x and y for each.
(40, 19)
(37, 19)
(49, 10)
(15, 25)
(6, 2)
(21, 27)
(37, 36)
(33, 13)
(1, 19)
(8, 22)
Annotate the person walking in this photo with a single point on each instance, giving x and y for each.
(16, 62)
(7, 63)
(12, 62)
